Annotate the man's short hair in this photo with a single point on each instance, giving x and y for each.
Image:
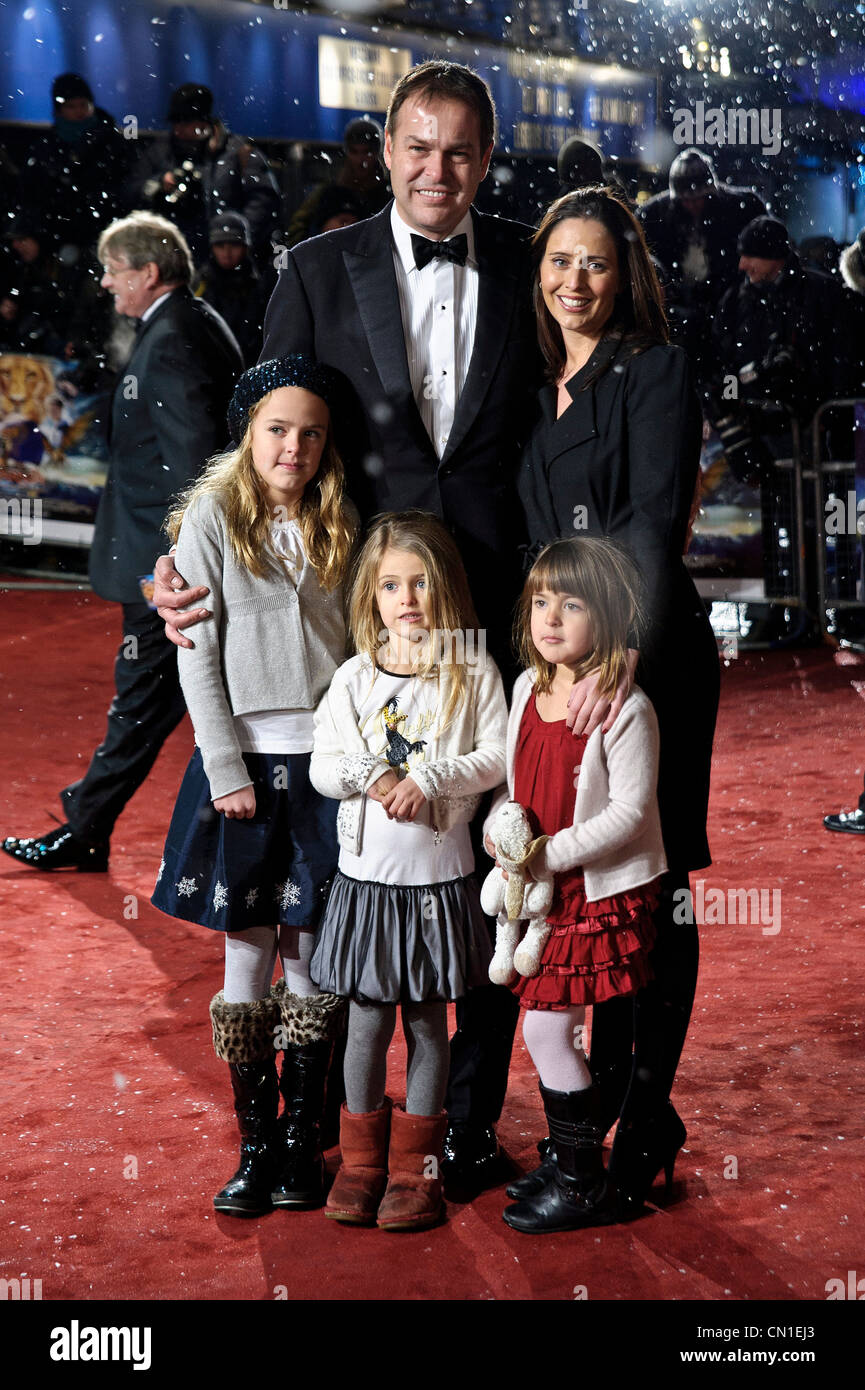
(142, 237)
(447, 82)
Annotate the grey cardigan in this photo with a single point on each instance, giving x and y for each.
(616, 834)
(271, 644)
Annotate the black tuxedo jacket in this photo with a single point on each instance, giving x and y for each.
(167, 416)
(337, 298)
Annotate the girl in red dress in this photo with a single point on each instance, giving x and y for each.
(579, 607)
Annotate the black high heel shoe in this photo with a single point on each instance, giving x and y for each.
(641, 1150)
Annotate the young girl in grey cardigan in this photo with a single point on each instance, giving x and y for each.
(252, 844)
(595, 798)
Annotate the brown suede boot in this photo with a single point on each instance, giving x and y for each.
(360, 1182)
(413, 1199)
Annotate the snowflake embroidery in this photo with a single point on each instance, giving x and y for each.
(288, 894)
(186, 887)
(161, 871)
(251, 896)
(220, 896)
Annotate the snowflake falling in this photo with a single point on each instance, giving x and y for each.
(186, 887)
(251, 896)
(220, 896)
(161, 871)
(288, 894)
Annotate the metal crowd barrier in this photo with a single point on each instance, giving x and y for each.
(782, 614)
(840, 578)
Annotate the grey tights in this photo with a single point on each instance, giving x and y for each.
(370, 1029)
(251, 955)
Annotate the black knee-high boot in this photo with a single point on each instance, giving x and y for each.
(243, 1037)
(580, 1193)
(307, 1029)
(650, 1133)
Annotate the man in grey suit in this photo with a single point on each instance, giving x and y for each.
(167, 417)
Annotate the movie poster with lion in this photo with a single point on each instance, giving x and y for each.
(52, 436)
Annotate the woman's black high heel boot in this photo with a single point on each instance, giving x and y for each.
(641, 1149)
(243, 1037)
(580, 1193)
(535, 1181)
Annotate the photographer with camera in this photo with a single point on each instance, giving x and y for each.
(198, 170)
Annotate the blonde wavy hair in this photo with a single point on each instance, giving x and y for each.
(328, 533)
(451, 608)
(609, 583)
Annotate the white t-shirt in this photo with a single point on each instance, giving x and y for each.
(395, 716)
(279, 730)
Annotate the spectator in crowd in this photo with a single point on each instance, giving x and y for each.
(183, 366)
(231, 284)
(852, 264)
(198, 169)
(337, 207)
(74, 174)
(777, 328)
(821, 253)
(361, 174)
(693, 227)
(60, 309)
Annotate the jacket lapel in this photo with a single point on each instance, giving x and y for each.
(580, 421)
(371, 274)
(498, 285)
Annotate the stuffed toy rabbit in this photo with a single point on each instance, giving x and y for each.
(516, 901)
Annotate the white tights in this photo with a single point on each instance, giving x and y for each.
(554, 1039)
(251, 955)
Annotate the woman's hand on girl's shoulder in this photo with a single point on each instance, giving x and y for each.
(239, 805)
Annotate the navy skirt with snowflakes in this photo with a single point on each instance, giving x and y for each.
(234, 874)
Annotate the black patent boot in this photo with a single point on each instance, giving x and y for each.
(243, 1037)
(580, 1193)
(530, 1184)
(641, 1149)
(307, 1030)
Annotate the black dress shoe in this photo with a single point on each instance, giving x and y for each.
(852, 822)
(59, 849)
(471, 1159)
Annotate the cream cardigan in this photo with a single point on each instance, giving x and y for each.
(465, 758)
(616, 834)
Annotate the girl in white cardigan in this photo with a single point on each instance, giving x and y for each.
(579, 604)
(410, 733)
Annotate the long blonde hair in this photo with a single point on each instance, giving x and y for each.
(609, 583)
(451, 608)
(328, 533)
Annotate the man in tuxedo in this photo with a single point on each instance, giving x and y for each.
(425, 309)
(167, 417)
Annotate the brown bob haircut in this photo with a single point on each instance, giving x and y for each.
(638, 314)
(446, 82)
(605, 578)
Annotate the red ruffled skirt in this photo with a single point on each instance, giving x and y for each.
(597, 950)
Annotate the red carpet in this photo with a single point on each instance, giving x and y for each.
(117, 1123)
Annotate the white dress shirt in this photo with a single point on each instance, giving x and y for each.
(151, 308)
(439, 307)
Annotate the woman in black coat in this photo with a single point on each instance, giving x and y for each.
(616, 453)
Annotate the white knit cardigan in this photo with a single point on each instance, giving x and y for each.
(616, 834)
(464, 759)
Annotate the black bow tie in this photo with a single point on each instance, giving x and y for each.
(456, 249)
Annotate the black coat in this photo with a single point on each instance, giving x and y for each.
(627, 450)
(337, 297)
(167, 416)
(669, 227)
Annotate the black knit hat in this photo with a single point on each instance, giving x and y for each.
(691, 172)
(765, 238)
(229, 226)
(296, 369)
(579, 163)
(191, 102)
(69, 86)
